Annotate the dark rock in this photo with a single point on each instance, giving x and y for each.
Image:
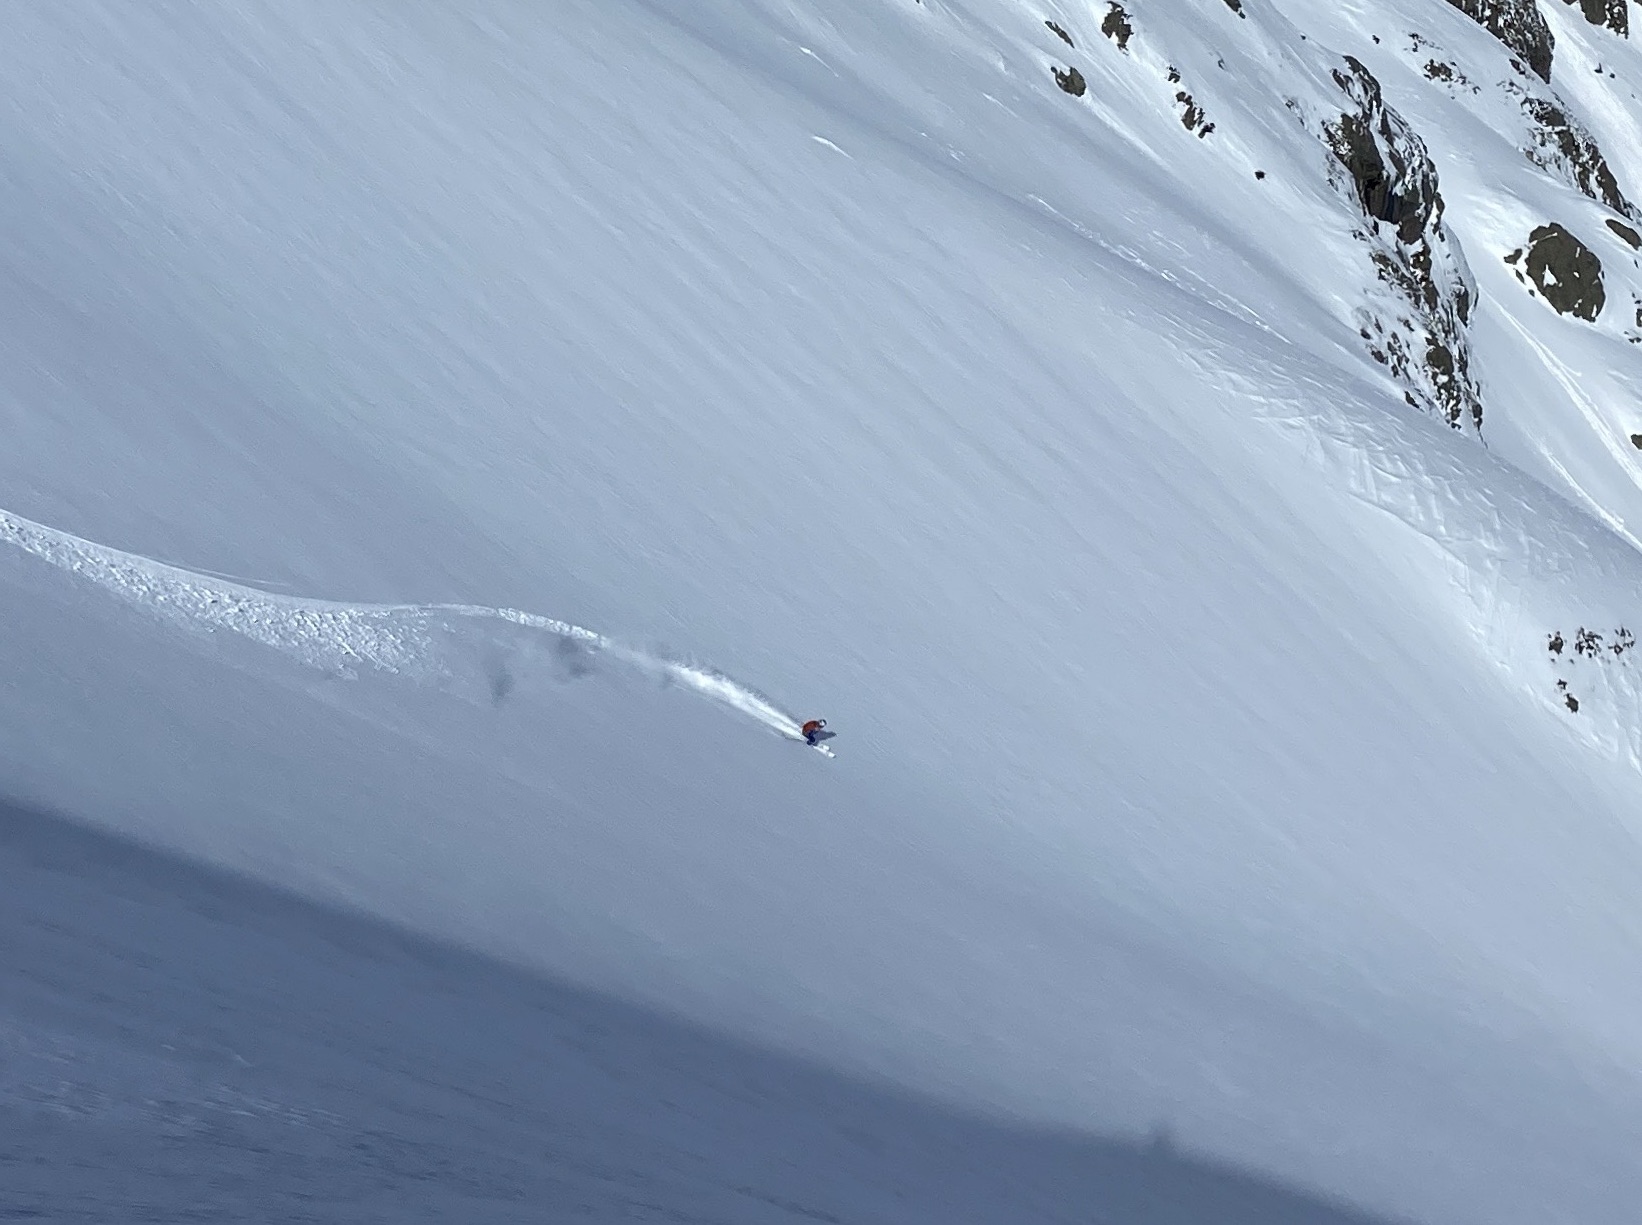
(1636, 441)
(1610, 13)
(1566, 271)
(1355, 146)
(1519, 25)
(1071, 81)
(1116, 26)
(1424, 342)
(1625, 233)
(1395, 178)
(1192, 115)
(1564, 146)
(1062, 34)
(1236, 6)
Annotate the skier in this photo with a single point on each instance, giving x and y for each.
(812, 731)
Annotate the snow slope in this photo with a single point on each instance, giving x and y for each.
(1201, 763)
(1561, 392)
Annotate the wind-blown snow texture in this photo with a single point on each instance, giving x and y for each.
(1205, 770)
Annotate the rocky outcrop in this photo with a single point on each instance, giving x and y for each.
(1590, 647)
(1565, 271)
(1610, 13)
(1394, 176)
(1563, 146)
(1626, 235)
(1116, 26)
(1191, 114)
(1071, 80)
(1520, 26)
(1424, 340)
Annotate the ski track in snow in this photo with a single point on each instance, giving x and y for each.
(341, 637)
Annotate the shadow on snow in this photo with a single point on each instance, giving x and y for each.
(181, 1041)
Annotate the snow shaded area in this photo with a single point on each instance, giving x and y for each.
(1202, 769)
(351, 1066)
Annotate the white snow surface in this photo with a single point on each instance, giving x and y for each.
(1201, 769)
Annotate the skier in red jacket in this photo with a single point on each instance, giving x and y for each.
(812, 731)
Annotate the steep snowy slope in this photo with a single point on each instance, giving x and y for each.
(1097, 449)
(1517, 155)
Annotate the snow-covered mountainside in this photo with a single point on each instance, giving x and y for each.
(1189, 451)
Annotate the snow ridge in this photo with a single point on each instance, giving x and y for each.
(407, 640)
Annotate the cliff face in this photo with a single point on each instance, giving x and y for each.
(1424, 342)
(1519, 25)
